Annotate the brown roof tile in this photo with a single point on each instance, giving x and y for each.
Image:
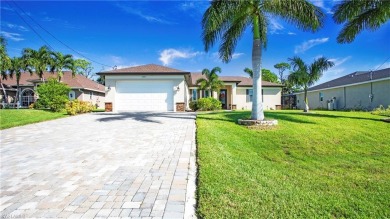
(79, 81)
(240, 80)
(353, 78)
(145, 69)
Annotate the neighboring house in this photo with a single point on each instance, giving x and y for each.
(158, 88)
(360, 90)
(82, 88)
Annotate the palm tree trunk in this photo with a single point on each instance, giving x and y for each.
(257, 105)
(17, 95)
(306, 102)
(4, 92)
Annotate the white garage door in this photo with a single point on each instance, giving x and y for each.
(144, 95)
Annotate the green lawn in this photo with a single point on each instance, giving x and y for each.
(320, 165)
(13, 117)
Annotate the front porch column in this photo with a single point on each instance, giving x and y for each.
(234, 92)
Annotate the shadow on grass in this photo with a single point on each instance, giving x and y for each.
(151, 117)
(317, 114)
(234, 116)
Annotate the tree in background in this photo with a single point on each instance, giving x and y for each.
(5, 63)
(228, 20)
(101, 80)
(83, 67)
(61, 62)
(266, 75)
(211, 82)
(304, 75)
(53, 95)
(283, 66)
(16, 68)
(37, 60)
(359, 15)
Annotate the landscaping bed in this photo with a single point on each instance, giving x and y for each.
(325, 164)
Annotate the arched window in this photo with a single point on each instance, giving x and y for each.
(27, 97)
(72, 95)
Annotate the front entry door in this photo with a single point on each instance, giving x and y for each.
(223, 98)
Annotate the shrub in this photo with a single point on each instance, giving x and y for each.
(381, 111)
(194, 105)
(76, 106)
(53, 95)
(209, 103)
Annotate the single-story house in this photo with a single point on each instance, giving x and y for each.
(359, 90)
(159, 88)
(82, 88)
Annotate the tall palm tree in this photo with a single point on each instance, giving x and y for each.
(17, 66)
(61, 62)
(304, 75)
(227, 21)
(37, 60)
(359, 15)
(5, 63)
(211, 82)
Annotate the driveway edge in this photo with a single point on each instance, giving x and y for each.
(190, 204)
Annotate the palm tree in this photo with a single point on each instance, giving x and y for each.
(359, 15)
(304, 75)
(38, 60)
(61, 62)
(211, 82)
(249, 72)
(5, 63)
(17, 66)
(227, 21)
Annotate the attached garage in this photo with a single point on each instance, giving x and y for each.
(145, 88)
(144, 95)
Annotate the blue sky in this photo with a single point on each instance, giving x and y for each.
(129, 33)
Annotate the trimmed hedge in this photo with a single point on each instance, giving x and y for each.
(206, 104)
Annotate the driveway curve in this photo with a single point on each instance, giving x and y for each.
(100, 165)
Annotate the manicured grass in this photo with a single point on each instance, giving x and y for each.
(320, 165)
(17, 117)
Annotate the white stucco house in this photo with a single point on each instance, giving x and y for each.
(159, 88)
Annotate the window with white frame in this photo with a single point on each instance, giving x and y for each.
(249, 93)
(321, 96)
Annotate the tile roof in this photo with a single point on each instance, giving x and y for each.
(79, 81)
(240, 80)
(353, 78)
(143, 69)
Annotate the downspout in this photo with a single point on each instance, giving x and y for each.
(345, 98)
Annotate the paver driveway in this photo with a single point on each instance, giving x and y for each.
(100, 165)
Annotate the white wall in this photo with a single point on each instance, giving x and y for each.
(177, 80)
(271, 98)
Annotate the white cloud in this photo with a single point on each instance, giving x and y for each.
(167, 56)
(321, 4)
(309, 44)
(237, 55)
(274, 26)
(291, 33)
(16, 27)
(339, 61)
(116, 59)
(382, 66)
(137, 12)
(12, 36)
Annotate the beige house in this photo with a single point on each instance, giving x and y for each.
(82, 88)
(358, 90)
(159, 88)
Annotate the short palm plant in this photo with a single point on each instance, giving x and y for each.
(211, 82)
(228, 20)
(304, 75)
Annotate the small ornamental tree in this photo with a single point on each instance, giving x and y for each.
(53, 95)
